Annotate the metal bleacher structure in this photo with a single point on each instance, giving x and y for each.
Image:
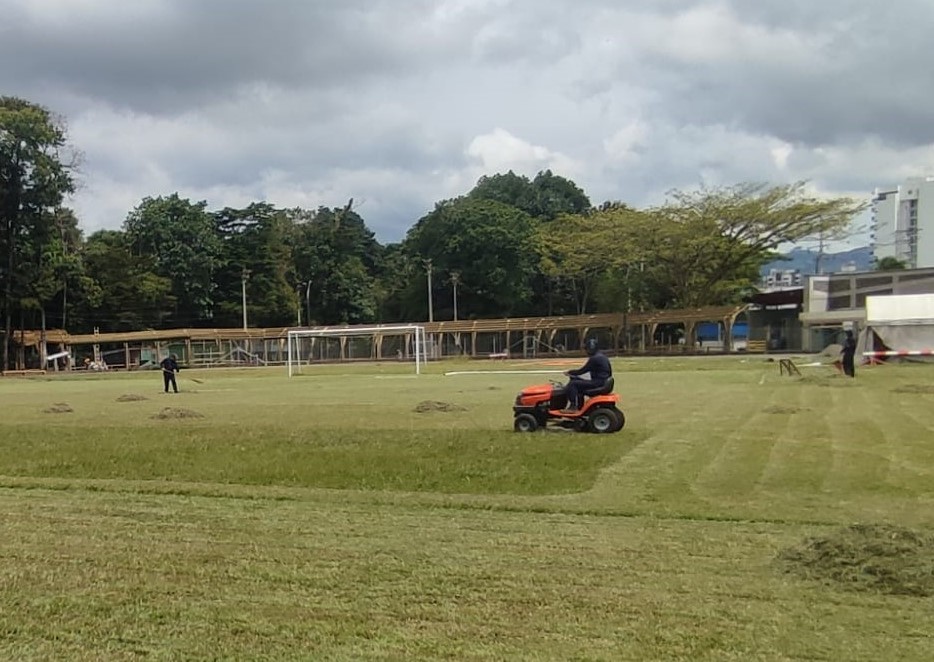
(519, 337)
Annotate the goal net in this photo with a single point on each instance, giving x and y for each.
(406, 343)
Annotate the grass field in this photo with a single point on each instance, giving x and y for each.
(324, 518)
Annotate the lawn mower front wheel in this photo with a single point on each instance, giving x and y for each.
(525, 423)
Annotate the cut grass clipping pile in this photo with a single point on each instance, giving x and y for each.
(867, 557)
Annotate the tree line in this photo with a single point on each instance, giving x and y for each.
(511, 246)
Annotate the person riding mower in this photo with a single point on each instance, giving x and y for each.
(583, 404)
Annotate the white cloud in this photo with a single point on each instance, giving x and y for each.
(713, 34)
(499, 151)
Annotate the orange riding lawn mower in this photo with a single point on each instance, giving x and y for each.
(542, 405)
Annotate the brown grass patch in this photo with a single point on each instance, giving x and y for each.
(59, 408)
(434, 405)
(170, 413)
(915, 388)
(779, 409)
(830, 380)
(131, 397)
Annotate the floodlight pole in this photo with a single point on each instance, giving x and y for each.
(244, 277)
(455, 279)
(298, 292)
(431, 311)
(642, 298)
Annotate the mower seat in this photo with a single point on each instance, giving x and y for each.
(606, 389)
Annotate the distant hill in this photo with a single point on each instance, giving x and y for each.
(805, 261)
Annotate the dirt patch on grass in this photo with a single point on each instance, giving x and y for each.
(915, 388)
(830, 380)
(59, 408)
(434, 405)
(131, 397)
(172, 413)
(867, 557)
(779, 409)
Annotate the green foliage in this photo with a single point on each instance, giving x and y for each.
(545, 197)
(255, 242)
(584, 252)
(34, 178)
(337, 265)
(713, 242)
(489, 244)
(701, 248)
(180, 238)
(398, 301)
(128, 294)
(515, 247)
(889, 263)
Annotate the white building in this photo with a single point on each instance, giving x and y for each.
(903, 223)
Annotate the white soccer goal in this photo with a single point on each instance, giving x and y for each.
(406, 342)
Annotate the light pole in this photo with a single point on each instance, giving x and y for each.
(455, 279)
(298, 293)
(244, 277)
(431, 310)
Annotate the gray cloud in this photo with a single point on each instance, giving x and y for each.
(400, 104)
(809, 72)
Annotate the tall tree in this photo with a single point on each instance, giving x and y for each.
(489, 244)
(49, 263)
(398, 275)
(256, 255)
(338, 262)
(180, 237)
(35, 175)
(125, 292)
(581, 252)
(545, 197)
(555, 195)
(713, 242)
(701, 248)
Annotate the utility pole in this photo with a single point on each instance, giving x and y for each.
(455, 279)
(431, 310)
(820, 254)
(298, 292)
(244, 277)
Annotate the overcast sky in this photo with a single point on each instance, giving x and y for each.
(400, 103)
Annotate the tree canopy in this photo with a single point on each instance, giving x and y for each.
(510, 246)
(35, 176)
(488, 244)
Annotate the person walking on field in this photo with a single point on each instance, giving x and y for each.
(849, 353)
(598, 365)
(169, 367)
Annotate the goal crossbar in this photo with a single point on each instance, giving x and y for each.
(294, 336)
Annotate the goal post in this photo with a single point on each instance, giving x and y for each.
(408, 343)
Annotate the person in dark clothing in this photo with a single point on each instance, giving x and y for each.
(849, 353)
(598, 365)
(169, 367)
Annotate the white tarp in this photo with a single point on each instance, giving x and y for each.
(900, 309)
(898, 323)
